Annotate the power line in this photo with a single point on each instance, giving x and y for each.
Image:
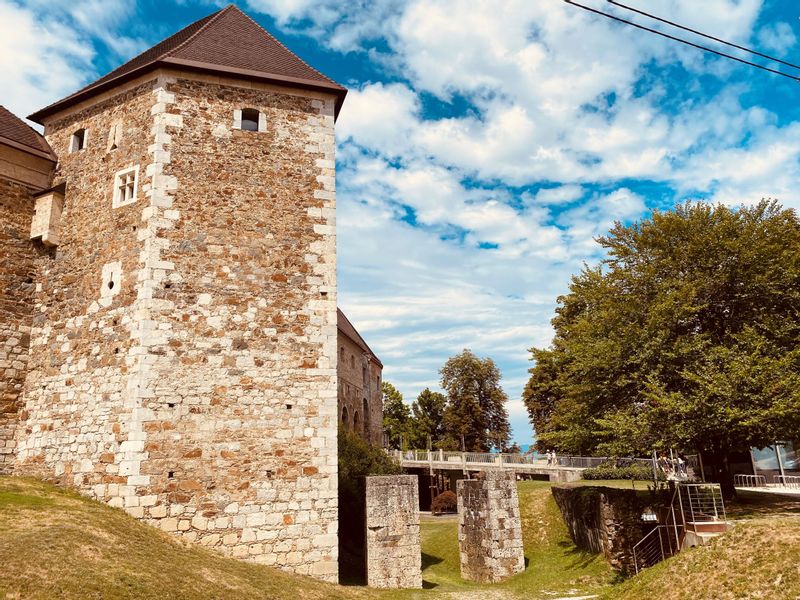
(682, 41)
(700, 33)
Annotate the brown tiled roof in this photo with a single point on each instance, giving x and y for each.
(346, 327)
(15, 132)
(227, 42)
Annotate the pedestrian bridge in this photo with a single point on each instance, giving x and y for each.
(558, 468)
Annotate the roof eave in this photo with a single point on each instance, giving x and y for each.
(29, 149)
(333, 88)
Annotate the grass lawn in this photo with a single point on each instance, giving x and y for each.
(554, 566)
(57, 544)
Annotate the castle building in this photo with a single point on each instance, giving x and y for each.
(168, 325)
(360, 396)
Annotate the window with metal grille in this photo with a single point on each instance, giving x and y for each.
(125, 186)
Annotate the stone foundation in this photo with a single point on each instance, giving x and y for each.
(603, 520)
(489, 528)
(394, 557)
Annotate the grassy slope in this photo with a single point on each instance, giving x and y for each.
(56, 544)
(554, 566)
(757, 559)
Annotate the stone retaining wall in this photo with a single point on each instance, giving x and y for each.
(489, 528)
(603, 520)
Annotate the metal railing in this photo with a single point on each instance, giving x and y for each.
(742, 480)
(792, 481)
(663, 541)
(505, 459)
(701, 503)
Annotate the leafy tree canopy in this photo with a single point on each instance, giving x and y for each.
(687, 335)
(475, 415)
(396, 416)
(428, 419)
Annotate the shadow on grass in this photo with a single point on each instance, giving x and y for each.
(428, 585)
(581, 559)
(429, 560)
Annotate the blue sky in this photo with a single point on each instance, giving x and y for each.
(483, 145)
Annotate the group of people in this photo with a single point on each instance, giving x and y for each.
(674, 467)
(552, 459)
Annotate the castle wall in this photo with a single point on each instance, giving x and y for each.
(199, 393)
(17, 284)
(353, 391)
(77, 414)
(241, 390)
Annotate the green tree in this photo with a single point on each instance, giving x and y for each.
(357, 459)
(475, 415)
(686, 336)
(396, 416)
(428, 419)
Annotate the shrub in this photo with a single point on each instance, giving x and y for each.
(612, 470)
(446, 502)
(357, 459)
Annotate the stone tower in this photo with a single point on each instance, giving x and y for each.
(183, 335)
(26, 168)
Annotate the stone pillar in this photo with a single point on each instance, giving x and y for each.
(394, 556)
(489, 528)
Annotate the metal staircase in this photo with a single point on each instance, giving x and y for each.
(695, 514)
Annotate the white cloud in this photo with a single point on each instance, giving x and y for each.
(778, 38)
(40, 60)
(461, 230)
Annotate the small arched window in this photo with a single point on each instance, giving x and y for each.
(341, 354)
(250, 119)
(366, 414)
(344, 416)
(352, 361)
(356, 422)
(78, 140)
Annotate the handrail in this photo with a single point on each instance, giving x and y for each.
(743, 480)
(506, 459)
(787, 480)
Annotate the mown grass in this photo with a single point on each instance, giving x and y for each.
(57, 544)
(554, 566)
(756, 559)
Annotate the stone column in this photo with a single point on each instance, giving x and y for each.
(394, 556)
(489, 528)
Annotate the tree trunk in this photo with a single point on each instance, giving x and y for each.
(720, 472)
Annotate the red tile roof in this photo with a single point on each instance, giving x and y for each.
(15, 132)
(346, 327)
(227, 42)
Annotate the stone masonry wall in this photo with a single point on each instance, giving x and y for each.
(363, 400)
(199, 391)
(17, 284)
(489, 528)
(394, 557)
(238, 297)
(75, 421)
(603, 520)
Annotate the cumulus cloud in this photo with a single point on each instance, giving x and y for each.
(474, 174)
(40, 60)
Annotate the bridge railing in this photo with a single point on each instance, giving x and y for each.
(498, 459)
